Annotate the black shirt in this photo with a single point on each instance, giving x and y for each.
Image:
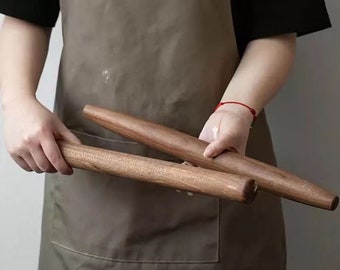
(252, 19)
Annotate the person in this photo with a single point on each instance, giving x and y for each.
(166, 61)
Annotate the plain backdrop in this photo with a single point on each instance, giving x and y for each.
(305, 125)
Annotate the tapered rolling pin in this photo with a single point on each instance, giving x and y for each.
(189, 148)
(195, 179)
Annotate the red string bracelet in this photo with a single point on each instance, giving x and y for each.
(252, 110)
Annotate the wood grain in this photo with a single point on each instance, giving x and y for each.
(186, 147)
(179, 176)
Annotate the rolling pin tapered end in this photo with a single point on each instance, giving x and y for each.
(335, 203)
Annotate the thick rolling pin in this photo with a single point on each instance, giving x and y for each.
(189, 148)
(179, 176)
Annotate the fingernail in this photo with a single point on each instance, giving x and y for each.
(69, 172)
(206, 154)
(209, 153)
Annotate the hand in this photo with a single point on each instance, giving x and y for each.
(227, 129)
(30, 135)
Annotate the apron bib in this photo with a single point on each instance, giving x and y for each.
(167, 61)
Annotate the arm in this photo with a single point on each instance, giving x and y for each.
(262, 71)
(30, 129)
(23, 52)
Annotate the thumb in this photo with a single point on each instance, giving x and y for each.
(214, 149)
(67, 135)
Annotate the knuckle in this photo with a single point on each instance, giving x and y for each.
(13, 151)
(34, 136)
(43, 130)
(216, 146)
(226, 141)
(54, 158)
(28, 140)
(45, 167)
(17, 150)
(222, 145)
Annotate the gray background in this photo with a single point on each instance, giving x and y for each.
(305, 125)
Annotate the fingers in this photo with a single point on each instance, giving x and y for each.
(224, 132)
(22, 156)
(214, 149)
(27, 157)
(211, 150)
(34, 160)
(32, 143)
(41, 155)
(41, 160)
(22, 163)
(53, 154)
(218, 147)
(67, 135)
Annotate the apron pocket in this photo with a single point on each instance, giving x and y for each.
(116, 219)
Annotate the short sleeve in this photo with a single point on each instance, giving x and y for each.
(254, 19)
(40, 12)
(272, 17)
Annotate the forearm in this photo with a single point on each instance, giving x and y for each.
(23, 50)
(262, 71)
(31, 143)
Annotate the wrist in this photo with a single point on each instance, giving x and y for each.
(242, 110)
(248, 97)
(15, 99)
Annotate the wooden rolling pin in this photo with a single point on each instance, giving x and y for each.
(189, 148)
(179, 176)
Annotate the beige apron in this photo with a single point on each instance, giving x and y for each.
(168, 61)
